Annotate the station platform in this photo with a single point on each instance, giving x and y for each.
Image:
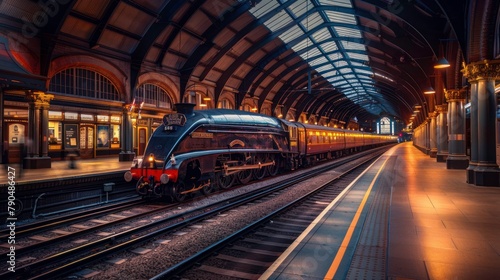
(405, 217)
(62, 169)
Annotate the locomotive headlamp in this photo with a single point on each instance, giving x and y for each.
(164, 178)
(128, 176)
(151, 159)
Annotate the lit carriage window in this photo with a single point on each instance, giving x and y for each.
(153, 95)
(84, 83)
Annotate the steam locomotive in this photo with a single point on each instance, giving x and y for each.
(204, 150)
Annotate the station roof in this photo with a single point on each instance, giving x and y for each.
(341, 59)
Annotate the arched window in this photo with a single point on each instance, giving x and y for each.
(225, 104)
(266, 111)
(153, 95)
(85, 83)
(247, 107)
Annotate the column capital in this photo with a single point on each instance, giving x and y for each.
(455, 94)
(433, 115)
(443, 108)
(39, 98)
(480, 70)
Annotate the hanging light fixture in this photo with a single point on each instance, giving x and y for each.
(442, 63)
(429, 90)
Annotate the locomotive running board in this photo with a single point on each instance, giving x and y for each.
(228, 170)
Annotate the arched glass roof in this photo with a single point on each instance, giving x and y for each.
(325, 33)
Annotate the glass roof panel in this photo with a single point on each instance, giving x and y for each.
(321, 60)
(358, 56)
(322, 35)
(291, 34)
(323, 69)
(347, 32)
(340, 17)
(362, 71)
(353, 46)
(278, 21)
(263, 8)
(302, 44)
(336, 78)
(340, 3)
(298, 8)
(329, 46)
(336, 51)
(312, 21)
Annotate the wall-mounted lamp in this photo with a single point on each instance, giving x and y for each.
(429, 90)
(442, 63)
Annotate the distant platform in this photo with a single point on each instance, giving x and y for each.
(62, 169)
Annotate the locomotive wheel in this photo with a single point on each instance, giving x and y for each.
(245, 176)
(224, 182)
(176, 192)
(261, 172)
(273, 169)
(208, 189)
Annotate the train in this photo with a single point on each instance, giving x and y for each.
(203, 150)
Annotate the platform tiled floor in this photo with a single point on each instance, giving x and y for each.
(440, 227)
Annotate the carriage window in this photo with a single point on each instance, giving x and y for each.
(293, 133)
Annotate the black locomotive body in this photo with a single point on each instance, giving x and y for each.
(203, 150)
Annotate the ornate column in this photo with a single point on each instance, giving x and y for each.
(486, 172)
(473, 133)
(457, 158)
(433, 135)
(127, 153)
(427, 136)
(442, 132)
(36, 144)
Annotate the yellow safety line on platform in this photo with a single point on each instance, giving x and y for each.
(343, 247)
(304, 234)
(269, 272)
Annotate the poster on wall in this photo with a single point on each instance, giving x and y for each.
(70, 136)
(102, 136)
(16, 133)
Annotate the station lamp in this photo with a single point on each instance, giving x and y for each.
(429, 90)
(442, 63)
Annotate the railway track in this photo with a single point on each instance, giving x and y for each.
(249, 251)
(57, 265)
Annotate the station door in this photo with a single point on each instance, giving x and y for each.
(87, 136)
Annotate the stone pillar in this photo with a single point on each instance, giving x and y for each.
(433, 135)
(442, 132)
(486, 172)
(457, 158)
(127, 154)
(36, 144)
(427, 136)
(44, 118)
(473, 133)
